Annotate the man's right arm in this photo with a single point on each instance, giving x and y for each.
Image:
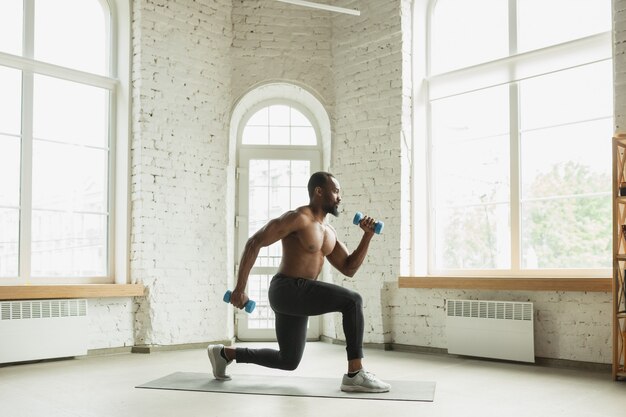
(272, 232)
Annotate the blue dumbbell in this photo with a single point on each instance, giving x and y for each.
(248, 306)
(378, 226)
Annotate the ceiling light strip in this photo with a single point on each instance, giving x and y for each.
(322, 6)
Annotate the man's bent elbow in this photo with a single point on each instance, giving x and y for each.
(349, 272)
(253, 245)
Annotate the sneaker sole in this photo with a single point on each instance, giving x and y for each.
(212, 359)
(350, 388)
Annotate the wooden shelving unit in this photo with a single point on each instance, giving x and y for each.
(619, 258)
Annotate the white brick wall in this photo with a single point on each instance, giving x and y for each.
(275, 41)
(181, 104)
(368, 64)
(191, 63)
(111, 323)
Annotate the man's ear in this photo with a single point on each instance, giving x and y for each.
(318, 190)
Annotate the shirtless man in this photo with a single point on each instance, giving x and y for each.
(294, 292)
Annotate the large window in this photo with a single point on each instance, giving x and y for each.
(57, 141)
(520, 120)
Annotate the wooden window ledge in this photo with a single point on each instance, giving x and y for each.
(509, 284)
(35, 292)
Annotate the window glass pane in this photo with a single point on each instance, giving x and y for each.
(259, 209)
(280, 174)
(69, 177)
(279, 115)
(279, 201)
(299, 197)
(473, 237)
(68, 244)
(63, 39)
(304, 136)
(82, 119)
(472, 172)
(300, 173)
(470, 145)
(260, 118)
(259, 172)
(567, 233)
(299, 119)
(567, 160)
(542, 23)
(11, 17)
(255, 135)
(279, 125)
(472, 115)
(567, 96)
(263, 316)
(10, 100)
(9, 238)
(279, 135)
(275, 185)
(466, 33)
(9, 171)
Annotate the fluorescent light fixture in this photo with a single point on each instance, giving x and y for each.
(322, 6)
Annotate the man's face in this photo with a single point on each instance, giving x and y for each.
(331, 198)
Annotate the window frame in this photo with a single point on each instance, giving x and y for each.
(117, 83)
(422, 262)
(246, 152)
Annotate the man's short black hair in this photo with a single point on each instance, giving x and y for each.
(318, 179)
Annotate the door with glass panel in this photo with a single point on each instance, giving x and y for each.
(270, 183)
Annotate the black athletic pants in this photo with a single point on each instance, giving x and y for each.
(293, 301)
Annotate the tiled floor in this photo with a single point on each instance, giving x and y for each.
(104, 386)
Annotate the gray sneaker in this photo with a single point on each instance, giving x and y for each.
(218, 363)
(363, 382)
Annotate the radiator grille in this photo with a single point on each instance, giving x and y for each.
(41, 309)
(500, 310)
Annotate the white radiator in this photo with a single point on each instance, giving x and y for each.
(491, 329)
(42, 329)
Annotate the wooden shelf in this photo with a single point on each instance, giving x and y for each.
(619, 220)
(35, 292)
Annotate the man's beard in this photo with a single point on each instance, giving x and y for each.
(334, 210)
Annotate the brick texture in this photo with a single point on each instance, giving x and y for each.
(181, 104)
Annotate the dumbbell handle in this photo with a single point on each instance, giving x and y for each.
(378, 226)
(248, 306)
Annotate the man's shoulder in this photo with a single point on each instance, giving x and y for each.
(301, 214)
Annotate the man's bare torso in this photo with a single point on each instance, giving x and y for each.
(304, 250)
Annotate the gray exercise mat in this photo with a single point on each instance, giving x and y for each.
(294, 386)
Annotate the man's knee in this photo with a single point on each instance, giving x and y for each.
(289, 363)
(355, 299)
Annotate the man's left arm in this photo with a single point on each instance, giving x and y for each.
(346, 263)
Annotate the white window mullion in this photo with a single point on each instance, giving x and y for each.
(514, 147)
(26, 177)
(26, 164)
(28, 40)
(514, 151)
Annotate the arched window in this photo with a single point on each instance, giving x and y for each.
(281, 130)
(520, 113)
(60, 83)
